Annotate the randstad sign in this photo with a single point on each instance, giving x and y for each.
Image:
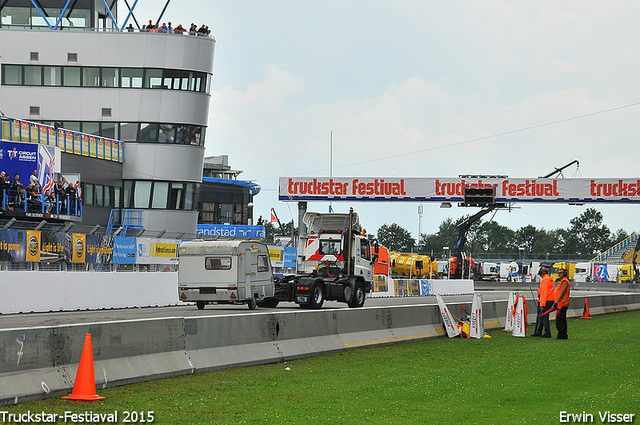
(452, 189)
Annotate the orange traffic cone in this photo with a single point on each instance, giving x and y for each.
(585, 312)
(84, 389)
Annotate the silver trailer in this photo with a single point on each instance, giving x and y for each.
(225, 272)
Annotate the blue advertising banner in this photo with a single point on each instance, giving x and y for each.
(124, 250)
(290, 257)
(23, 158)
(13, 245)
(230, 231)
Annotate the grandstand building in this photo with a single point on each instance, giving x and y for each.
(68, 65)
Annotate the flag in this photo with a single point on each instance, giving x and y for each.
(274, 219)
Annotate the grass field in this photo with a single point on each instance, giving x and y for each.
(502, 380)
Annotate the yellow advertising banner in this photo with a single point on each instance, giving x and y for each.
(33, 245)
(275, 255)
(79, 248)
(160, 249)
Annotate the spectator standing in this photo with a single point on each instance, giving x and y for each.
(562, 304)
(130, 28)
(33, 178)
(61, 193)
(169, 28)
(15, 186)
(546, 297)
(163, 28)
(71, 198)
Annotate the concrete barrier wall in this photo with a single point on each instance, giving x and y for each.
(42, 291)
(41, 362)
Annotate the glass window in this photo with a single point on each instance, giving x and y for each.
(131, 77)
(160, 195)
(12, 74)
(189, 197)
(109, 129)
(129, 132)
(330, 247)
(128, 188)
(90, 77)
(195, 138)
(166, 133)
(71, 76)
(142, 194)
(52, 75)
(18, 16)
(263, 263)
(99, 195)
(217, 263)
(116, 197)
(171, 79)
(110, 77)
(184, 84)
(32, 75)
(108, 196)
(72, 125)
(148, 132)
(201, 82)
(153, 79)
(175, 199)
(88, 194)
(365, 249)
(91, 128)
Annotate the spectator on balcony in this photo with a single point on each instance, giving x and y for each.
(15, 186)
(33, 178)
(71, 198)
(48, 200)
(61, 193)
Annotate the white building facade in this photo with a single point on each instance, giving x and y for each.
(149, 89)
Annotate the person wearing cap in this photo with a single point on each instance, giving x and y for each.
(562, 304)
(546, 298)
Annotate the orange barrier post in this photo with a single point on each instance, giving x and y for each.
(84, 389)
(585, 312)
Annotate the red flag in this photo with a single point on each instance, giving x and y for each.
(274, 219)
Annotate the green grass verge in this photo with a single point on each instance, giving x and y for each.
(502, 380)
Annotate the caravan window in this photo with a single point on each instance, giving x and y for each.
(263, 263)
(217, 263)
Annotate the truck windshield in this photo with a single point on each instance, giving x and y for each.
(217, 263)
(330, 247)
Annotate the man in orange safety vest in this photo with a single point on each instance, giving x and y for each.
(562, 304)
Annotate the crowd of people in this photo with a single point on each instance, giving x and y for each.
(168, 28)
(62, 199)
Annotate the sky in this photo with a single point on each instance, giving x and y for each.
(420, 88)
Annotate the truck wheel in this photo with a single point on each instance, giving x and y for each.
(252, 303)
(358, 296)
(200, 305)
(316, 294)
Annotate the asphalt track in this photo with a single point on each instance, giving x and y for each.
(34, 320)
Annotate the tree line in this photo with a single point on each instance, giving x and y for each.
(585, 238)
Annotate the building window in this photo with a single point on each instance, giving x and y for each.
(160, 195)
(166, 133)
(71, 76)
(175, 197)
(90, 77)
(88, 194)
(52, 75)
(12, 75)
(148, 133)
(32, 75)
(131, 77)
(142, 194)
(153, 79)
(99, 195)
(116, 197)
(127, 190)
(110, 77)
